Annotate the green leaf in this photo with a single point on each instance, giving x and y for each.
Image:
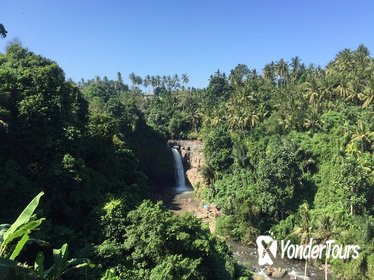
(76, 264)
(24, 217)
(24, 229)
(19, 246)
(60, 260)
(38, 265)
(39, 242)
(60, 255)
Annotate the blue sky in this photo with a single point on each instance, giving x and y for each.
(96, 37)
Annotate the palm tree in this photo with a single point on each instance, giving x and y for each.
(158, 80)
(147, 81)
(328, 223)
(282, 71)
(325, 230)
(295, 67)
(132, 77)
(343, 61)
(269, 72)
(253, 73)
(241, 110)
(135, 79)
(154, 82)
(185, 79)
(282, 68)
(188, 103)
(238, 75)
(355, 90)
(368, 94)
(363, 136)
(325, 88)
(175, 81)
(344, 88)
(3, 31)
(362, 56)
(312, 121)
(304, 231)
(252, 118)
(313, 92)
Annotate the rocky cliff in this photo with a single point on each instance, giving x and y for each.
(193, 159)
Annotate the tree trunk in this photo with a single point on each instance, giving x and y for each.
(326, 268)
(306, 267)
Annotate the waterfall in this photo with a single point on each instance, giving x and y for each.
(181, 180)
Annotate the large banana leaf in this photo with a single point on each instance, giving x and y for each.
(19, 246)
(24, 217)
(62, 265)
(21, 228)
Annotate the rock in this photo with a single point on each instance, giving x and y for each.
(278, 273)
(194, 177)
(269, 270)
(193, 159)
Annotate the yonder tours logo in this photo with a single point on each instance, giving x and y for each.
(267, 248)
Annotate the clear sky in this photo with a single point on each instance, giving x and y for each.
(96, 37)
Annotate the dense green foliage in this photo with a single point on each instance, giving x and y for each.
(294, 140)
(83, 144)
(290, 151)
(152, 243)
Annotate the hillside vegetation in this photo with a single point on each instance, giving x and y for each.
(289, 150)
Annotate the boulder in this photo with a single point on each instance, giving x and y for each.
(278, 273)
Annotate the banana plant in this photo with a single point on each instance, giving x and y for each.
(20, 229)
(61, 264)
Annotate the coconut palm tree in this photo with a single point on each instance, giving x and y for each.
(3, 31)
(282, 68)
(313, 92)
(344, 61)
(363, 136)
(282, 71)
(304, 231)
(368, 94)
(325, 229)
(135, 79)
(328, 224)
(295, 67)
(185, 79)
(344, 88)
(362, 57)
(238, 75)
(325, 88)
(312, 121)
(147, 81)
(269, 72)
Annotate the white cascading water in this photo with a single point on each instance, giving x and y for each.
(181, 180)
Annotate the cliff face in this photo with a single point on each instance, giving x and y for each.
(193, 159)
